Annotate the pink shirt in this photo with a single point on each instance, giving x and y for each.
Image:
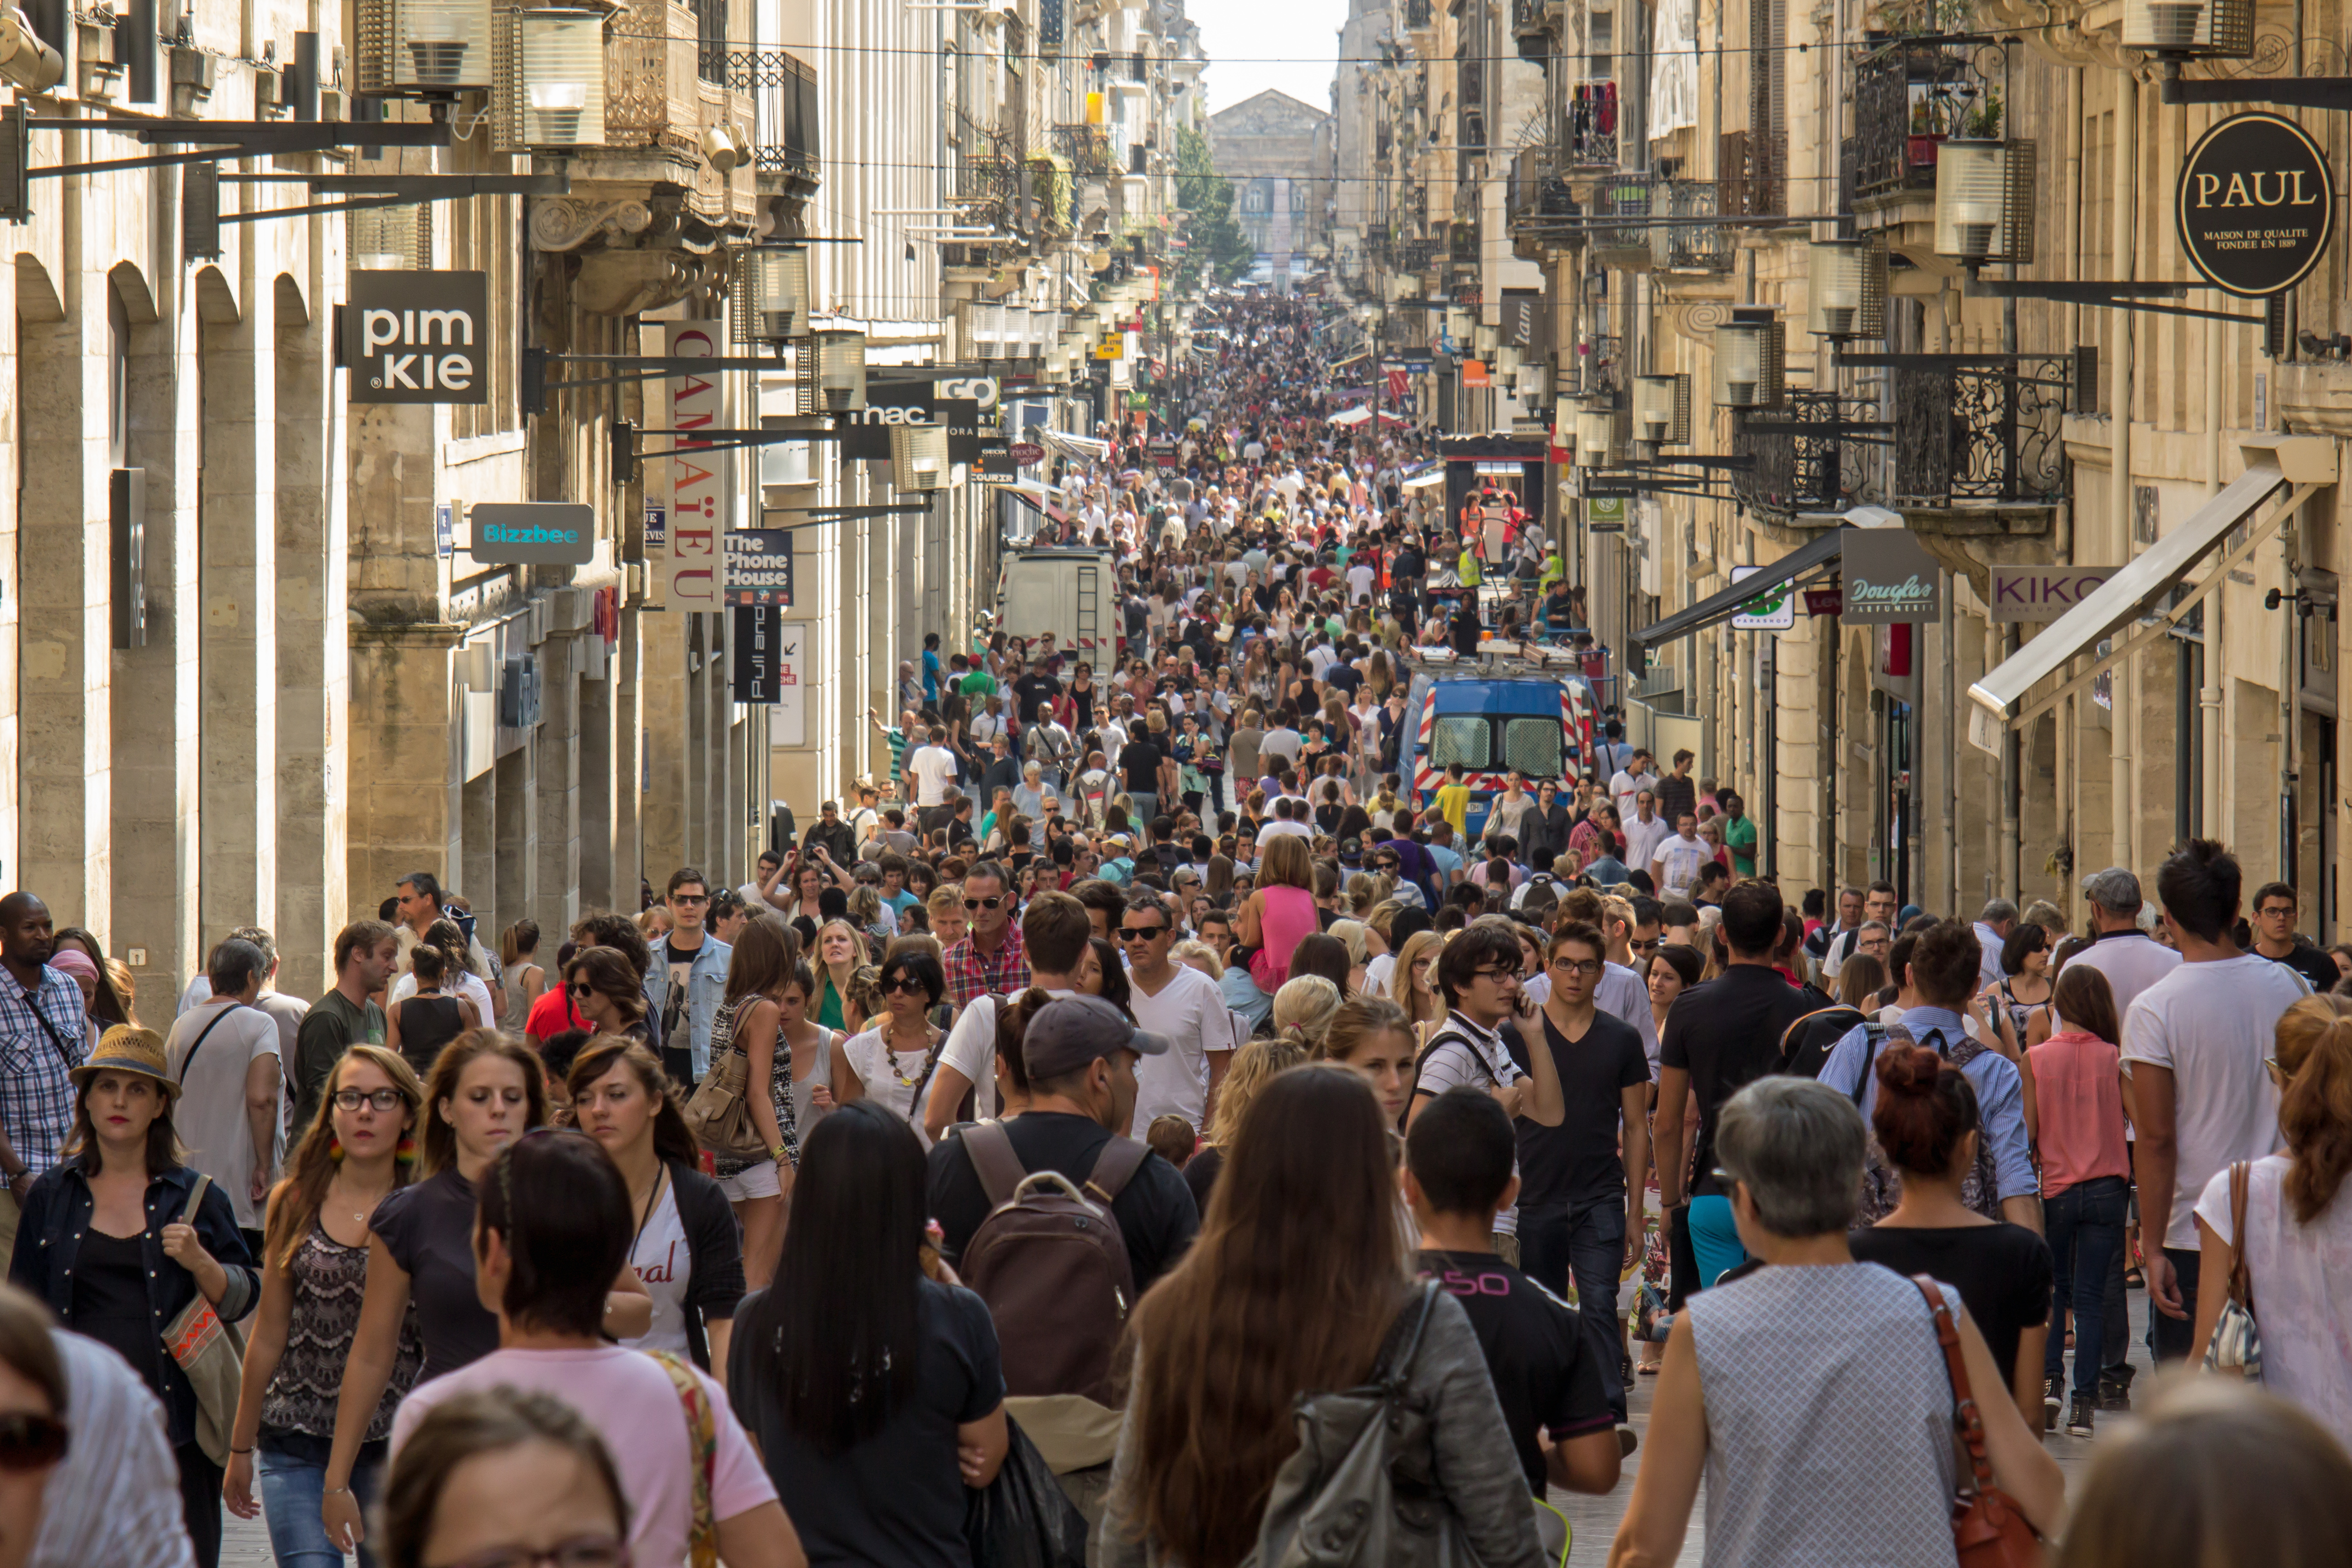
(2078, 1104)
(628, 1397)
(1285, 918)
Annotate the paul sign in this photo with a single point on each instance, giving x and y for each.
(2256, 205)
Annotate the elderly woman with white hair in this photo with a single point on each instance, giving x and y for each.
(1816, 1394)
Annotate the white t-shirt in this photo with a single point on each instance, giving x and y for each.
(1643, 839)
(1191, 1011)
(1461, 1056)
(1623, 789)
(665, 1266)
(1680, 858)
(2213, 1024)
(1276, 826)
(1360, 577)
(210, 1115)
(2132, 961)
(1377, 973)
(891, 1077)
(2302, 1275)
(971, 1048)
(933, 769)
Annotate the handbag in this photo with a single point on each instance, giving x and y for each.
(1988, 1529)
(2237, 1342)
(1024, 1519)
(1361, 1491)
(718, 1114)
(211, 1355)
(702, 1446)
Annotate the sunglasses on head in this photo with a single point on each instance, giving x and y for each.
(29, 1442)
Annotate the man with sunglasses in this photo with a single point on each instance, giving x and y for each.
(991, 958)
(695, 964)
(1179, 1001)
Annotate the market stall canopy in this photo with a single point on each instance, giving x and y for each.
(1358, 416)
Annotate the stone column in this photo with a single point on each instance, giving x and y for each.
(667, 742)
(558, 742)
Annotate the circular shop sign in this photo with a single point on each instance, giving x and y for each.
(2256, 205)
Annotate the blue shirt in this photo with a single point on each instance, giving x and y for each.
(931, 678)
(2001, 1095)
(1243, 996)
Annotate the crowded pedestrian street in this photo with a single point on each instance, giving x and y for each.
(1168, 785)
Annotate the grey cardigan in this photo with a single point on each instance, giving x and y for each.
(1476, 1463)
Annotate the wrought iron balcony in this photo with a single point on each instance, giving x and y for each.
(1797, 471)
(1689, 246)
(1981, 434)
(1588, 134)
(784, 97)
(1088, 149)
(1911, 94)
(1417, 13)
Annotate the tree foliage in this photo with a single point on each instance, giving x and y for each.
(1215, 239)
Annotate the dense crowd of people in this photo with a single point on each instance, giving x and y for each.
(1158, 1124)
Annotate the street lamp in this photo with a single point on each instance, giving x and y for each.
(1846, 296)
(1596, 437)
(1748, 359)
(772, 293)
(2223, 28)
(430, 47)
(1662, 414)
(840, 370)
(918, 458)
(1984, 200)
(551, 78)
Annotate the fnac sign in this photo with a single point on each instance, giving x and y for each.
(418, 337)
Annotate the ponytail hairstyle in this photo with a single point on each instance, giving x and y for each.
(1304, 1008)
(1925, 1108)
(518, 941)
(1012, 1028)
(1254, 1065)
(451, 941)
(2315, 1060)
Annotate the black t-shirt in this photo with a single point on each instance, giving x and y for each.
(897, 1497)
(1155, 1211)
(1578, 1161)
(1032, 689)
(1727, 1034)
(2314, 965)
(1140, 760)
(1535, 1354)
(2003, 1272)
(429, 1229)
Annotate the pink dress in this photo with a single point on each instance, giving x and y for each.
(1285, 918)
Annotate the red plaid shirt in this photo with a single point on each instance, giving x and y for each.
(972, 974)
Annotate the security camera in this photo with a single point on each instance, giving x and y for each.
(24, 60)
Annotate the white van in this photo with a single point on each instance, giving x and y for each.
(1069, 591)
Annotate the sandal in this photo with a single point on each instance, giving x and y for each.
(1648, 1368)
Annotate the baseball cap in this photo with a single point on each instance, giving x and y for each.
(1071, 1032)
(2114, 888)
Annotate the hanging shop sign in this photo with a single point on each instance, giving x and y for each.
(692, 567)
(754, 640)
(2042, 593)
(865, 432)
(1773, 610)
(1889, 578)
(418, 337)
(1605, 515)
(531, 533)
(2256, 205)
(1824, 601)
(759, 567)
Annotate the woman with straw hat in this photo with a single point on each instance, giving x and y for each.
(120, 1238)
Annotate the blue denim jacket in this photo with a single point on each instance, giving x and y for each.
(48, 1237)
(705, 988)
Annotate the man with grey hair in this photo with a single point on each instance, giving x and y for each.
(223, 1052)
(1994, 922)
(2121, 948)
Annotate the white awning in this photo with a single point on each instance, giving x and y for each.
(2307, 462)
(1082, 449)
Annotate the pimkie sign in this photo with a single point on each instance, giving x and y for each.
(418, 337)
(2256, 205)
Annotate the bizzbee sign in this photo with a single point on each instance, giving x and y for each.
(418, 337)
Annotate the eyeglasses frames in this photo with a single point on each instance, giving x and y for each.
(905, 985)
(383, 1099)
(987, 903)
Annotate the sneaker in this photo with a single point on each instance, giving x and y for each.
(1625, 1367)
(1627, 1441)
(2053, 1395)
(2114, 1387)
(2079, 1417)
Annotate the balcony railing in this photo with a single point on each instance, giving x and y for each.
(1417, 13)
(1688, 247)
(1088, 149)
(1980, 434)
(1908, 96)
(1588, 134)
(1796, 471)
(785, 106)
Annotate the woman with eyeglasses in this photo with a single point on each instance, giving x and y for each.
(552, 1233)
(486, 1091)
(839, 952)
(896, 1059)
(108, 1240)
(314, 1274)
(604, 988)
(682, 1245)
(2023, 991)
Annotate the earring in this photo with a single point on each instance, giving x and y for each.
(335, 1149)
(406, 1150)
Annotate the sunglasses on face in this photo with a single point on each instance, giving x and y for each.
(905, 985)
(29, 1442)
(583, 988)
(987, 903)
(384, 1099)
(1140, 933)
(690, 898)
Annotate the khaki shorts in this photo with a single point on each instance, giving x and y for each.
(10, 1212)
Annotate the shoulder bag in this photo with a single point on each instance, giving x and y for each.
(718, 1114)
(210, 1353)
(2237, 1342)
(1988, 1529)
(702, 1445)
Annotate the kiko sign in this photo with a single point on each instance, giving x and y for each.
(2256, 205)
(2043, 592)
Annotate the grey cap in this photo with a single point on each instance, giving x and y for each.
(2114, 890)
(1071, 1032)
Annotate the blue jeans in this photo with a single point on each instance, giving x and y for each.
(2085, 1228)
(1142, 808)
(1715, 1239)
(1588, 1240)
(293, 1487)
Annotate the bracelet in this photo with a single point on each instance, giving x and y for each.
(240, 1450)
(780, 1151)
(334, 1491)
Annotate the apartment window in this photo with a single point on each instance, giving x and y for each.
(711, 34)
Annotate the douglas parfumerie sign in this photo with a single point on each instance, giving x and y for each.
(2256, 205)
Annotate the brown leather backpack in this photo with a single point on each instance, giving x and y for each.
(1051, 1264)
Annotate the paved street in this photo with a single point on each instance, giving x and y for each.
(1594, 1518)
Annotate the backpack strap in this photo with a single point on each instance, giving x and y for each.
(1873, 1036)
(1000, 1169)
(1115, 1167)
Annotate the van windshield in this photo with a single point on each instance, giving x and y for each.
(1464, 738)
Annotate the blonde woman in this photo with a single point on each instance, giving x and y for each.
(1254, 1064)
(1304, 1008)
(1355, 936)
(1412, 984)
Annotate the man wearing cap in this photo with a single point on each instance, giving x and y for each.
(2130, 958)
(223, 1054)
(1081, 1055)
(42, 1040)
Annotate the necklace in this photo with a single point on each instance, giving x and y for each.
(891, 1053)
(360, 1215)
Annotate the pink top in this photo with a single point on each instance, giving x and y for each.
(2078, 1100)
(633, 1404)
(1285, 918)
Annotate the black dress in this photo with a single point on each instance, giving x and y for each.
(427, 1024)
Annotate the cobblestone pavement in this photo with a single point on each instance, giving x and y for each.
(1594, 1518)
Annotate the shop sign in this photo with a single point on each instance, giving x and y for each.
(759, 568)
(1773, 610)
(1474, 373)
(1889, 578)
(418, 337)
(2255, 204)
(2043, 592)
(1824, 601)
(1605, 515)
(865, 432)
(754, 640)
(532, 533)
(1025, 453)
(696, 483)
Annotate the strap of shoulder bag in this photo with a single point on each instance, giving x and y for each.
(190, 1059)
(195, 1199)
(1115, 1167)
(1000, 1169)
(2242, 1282)
(64, 1052)
(1403, 1342)
(1966, 1419)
